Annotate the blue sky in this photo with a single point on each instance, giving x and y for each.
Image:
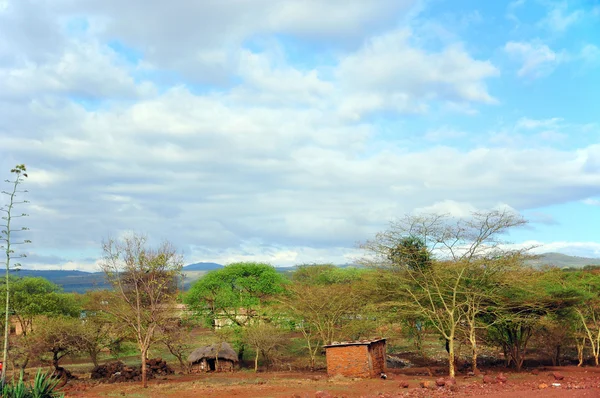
(288, 131)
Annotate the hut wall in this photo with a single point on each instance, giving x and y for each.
(377, 358)
(350, 361)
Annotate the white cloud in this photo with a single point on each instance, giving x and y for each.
(389, 73)
(279, 157)
(530, 124)
(559, 18)
(538, 60)
(591, 202)
(590, 55)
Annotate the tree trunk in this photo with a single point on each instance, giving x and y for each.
(241, 353)
(595, 358)
(473, 341)
(580, 346)
(450, 348)
(94, 357)
(556, 359)
(256, 361)
(144, 370)
(55, 360)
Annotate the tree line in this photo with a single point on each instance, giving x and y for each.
(424, 275)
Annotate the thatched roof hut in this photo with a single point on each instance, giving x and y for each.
(204, 359)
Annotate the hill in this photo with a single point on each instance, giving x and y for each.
(202, 266)
(81, 281)
(563, 261)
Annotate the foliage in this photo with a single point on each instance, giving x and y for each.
(7, 242)
(437, 268)
(265, 339)
(31, 297)
(237, 292)
(43, 387)
(57, 337)
(144, 280)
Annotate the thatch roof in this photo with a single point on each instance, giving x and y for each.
(210, 352)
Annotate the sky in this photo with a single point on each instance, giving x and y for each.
(288, 131)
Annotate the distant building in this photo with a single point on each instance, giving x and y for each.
(364, 358)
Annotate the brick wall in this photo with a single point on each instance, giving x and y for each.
(350, 361)
(377, 354)
(357, 360)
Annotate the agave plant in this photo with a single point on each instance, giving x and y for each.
(43, 387)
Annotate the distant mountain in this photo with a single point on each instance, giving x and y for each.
(70, 280)
(81, 281)
(202, 266)
(563, 261)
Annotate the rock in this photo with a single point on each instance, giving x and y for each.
(425, 384)
(440, 382)
(501, 378)
(488, 379)
(542, 386)
(403, 384)
(453, 388)
(323, 394)
(557, 376)
(535, 372)
(450, 382)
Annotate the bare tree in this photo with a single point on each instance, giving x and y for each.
(435, 267)
(145, 286)
(7, 243)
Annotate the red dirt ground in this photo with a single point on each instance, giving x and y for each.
(577, 382)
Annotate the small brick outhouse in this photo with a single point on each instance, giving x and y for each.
(364, 358)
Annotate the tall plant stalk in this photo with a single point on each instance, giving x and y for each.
(20, 173)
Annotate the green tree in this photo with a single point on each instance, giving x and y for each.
(144, 280)
(238, 292)
(7, 242)
(265, 339)
(58, 336)
(431, 264)
(325, 301)
(33, 296)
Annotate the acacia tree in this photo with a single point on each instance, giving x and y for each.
(428, 261)
(265, 339)
(238, 294)
(7, 242)
(323, 300)
(144, 280)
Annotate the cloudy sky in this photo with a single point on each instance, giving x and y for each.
(287, 131)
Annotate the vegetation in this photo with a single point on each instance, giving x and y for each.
(428, 278)
(7, 243)
(145, 288)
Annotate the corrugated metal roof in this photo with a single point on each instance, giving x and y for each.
(357, 342)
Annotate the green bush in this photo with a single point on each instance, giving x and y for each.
(43, 387)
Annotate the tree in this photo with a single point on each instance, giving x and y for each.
(7, 242)
(59, 336)
(145, 287)
(323, 300)
(428, 261)
(33, 296)
(265, 339)
(99, 329)
(175, 336)
(238, 294)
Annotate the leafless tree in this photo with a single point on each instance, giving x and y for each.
(145, 286)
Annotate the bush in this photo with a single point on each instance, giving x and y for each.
(43, 387)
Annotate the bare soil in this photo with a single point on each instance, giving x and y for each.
(577, 382)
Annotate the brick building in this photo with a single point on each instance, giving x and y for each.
(365, 358)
